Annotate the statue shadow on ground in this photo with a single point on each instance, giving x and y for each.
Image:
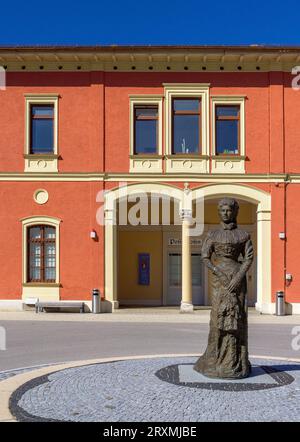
(278, 368)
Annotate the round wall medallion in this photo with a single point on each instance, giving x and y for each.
(40, 196)
(187, 164)
(146, 164)
(228, 164)
(42, 164)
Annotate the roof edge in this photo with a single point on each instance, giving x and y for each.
(150, 48)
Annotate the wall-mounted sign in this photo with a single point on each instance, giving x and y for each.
(177, 242)
(144, 268)
(174, 242)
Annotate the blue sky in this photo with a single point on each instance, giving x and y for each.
(149, 22)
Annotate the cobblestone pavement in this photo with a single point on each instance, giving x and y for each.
(131, 391)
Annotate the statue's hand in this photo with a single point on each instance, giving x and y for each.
(233, 285)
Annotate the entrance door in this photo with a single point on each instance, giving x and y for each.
(174, 265)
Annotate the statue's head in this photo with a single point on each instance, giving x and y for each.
(228, 210)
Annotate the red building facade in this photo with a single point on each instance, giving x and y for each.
(209, 121)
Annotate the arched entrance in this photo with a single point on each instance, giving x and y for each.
(263, 218)
(112, 199)
(258, 199)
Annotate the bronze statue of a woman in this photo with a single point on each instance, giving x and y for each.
(228, 253)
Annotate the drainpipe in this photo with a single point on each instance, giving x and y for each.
(287, 181)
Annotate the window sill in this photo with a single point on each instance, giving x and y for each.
(145, 155)
(229, 156)
(187, 155)
(41, 284)
(41, 163)
(46, 156)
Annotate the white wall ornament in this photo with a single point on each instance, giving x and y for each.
(41, 196)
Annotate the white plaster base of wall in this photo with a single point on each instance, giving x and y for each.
(291, 308)
(16, 305)
(11, 305)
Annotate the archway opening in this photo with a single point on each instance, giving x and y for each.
(149, 238)
(143, 228)
(255, 215)
(247, 220)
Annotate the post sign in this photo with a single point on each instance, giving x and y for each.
(144, 268)
(177, 242)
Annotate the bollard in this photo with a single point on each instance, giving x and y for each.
(96, 301)
(280, 304)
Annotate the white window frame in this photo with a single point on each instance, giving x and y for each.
(187, 163)
(145, 163)
(42, 290)
(41, 162)
(228, 163)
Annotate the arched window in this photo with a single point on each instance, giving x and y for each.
(41, 249)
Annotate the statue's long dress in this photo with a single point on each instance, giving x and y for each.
(226, 355)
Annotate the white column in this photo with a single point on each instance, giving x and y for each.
(264, 294)
(110, 263)
(187, 295)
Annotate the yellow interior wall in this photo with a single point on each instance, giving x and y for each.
(130, 245)
(245, 216)
(171, 207)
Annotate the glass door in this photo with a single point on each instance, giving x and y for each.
(175, 282)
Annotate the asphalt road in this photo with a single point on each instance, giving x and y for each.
(43, 342)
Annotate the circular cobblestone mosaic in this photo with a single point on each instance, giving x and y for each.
(160, 390)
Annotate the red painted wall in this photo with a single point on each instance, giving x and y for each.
(292, 242)
(254, 85)
(291, 125)
(94, 111)
(80, 122)
(94, 137)
(81, 258)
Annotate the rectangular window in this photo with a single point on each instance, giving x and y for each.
(186, 125)
(42, 129)
(145, 129)
(227, 130)
(175, 269)
(41, 254)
